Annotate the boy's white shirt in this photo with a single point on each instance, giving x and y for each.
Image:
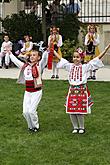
(27, 75)
(94, 64)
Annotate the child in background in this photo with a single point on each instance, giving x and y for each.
(55, 40)
(27, 47)
(79, 99)
(92, 41)
(31, 75)
(6, 45)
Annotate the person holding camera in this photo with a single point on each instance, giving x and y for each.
(55, 42)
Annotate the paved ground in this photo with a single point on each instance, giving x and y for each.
(103, 74)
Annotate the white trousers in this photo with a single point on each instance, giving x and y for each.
(7, 58)
(30, 104)
(77, 121)
(54, 68)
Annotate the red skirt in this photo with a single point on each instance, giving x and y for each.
(78, 100)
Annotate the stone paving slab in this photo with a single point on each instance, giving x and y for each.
(103, 74)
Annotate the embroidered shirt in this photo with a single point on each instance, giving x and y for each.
(27, 73)
(78, 74)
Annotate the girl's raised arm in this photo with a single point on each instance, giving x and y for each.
(105, 50)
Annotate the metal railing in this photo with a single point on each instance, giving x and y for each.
(95, 11)
(89, 11)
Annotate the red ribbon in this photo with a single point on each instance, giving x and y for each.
(50, 57)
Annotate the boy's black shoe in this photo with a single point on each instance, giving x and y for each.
(30, 129)
(35, 129)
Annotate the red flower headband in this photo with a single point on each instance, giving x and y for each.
(81, 52)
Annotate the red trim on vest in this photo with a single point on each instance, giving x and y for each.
(35, 73)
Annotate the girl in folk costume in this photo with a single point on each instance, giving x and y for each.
(79, 99)
(54, 42)
(31, 75)
(6, 45)
(27, 47)
(92, 41)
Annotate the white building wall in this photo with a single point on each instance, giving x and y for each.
(104, 32)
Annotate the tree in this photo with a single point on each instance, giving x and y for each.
(44, 3)
(21, 24)
(69, 27)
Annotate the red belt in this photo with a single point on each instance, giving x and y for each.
(30, 86)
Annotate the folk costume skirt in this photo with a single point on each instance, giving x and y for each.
(90, 55)
(78, 100)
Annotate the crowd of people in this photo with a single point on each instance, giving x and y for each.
(29, 59)
(56, 11)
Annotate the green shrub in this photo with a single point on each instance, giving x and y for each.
(69, 27)
(21, 24)
(68, 49)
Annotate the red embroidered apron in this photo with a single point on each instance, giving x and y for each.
(78, 100)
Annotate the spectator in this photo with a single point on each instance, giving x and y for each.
(27, 47)
(73, 7)
(6, 45)
(57, 11)
(55, 42)
(34, 8)
(17, 46)
(92, 41)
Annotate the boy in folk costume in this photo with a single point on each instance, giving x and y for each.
(31, 75)
(55, 42)
(27, 47)
(5, 45)
(79, 99)
(92, 41)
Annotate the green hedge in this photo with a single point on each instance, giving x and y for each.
(21, 24)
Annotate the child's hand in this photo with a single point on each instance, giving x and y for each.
(9, 52)
(108, 46)
(104, 52)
